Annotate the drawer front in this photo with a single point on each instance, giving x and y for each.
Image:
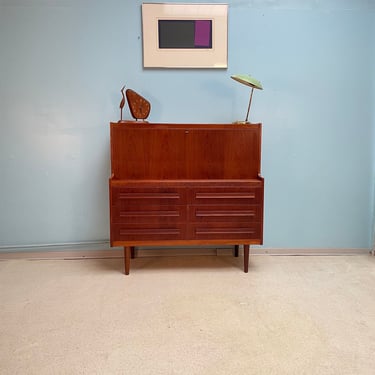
(146, 196)
(123, 212)
(147, 232)
(225, 213)
(226, 195)
(225, 231)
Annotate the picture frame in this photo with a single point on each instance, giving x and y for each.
(181, 35)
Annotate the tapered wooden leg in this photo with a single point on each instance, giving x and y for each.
(127, 253)
(246, 251)
(132, 252)
(236, 250)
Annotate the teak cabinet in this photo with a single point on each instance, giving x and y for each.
(175, 184)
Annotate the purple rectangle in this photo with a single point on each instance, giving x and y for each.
(202, 33)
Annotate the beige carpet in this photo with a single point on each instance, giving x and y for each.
(188, 315)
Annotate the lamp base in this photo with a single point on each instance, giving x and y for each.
(241, 122)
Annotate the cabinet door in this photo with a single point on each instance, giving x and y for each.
(223, 153)
(142, 152)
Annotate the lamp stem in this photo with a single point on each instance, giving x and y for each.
(248, 108)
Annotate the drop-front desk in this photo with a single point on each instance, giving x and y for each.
(180, 184)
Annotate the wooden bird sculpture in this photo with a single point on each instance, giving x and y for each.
(122, 103)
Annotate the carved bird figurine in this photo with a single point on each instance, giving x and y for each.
(122, 103)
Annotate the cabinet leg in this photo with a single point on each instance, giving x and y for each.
(127, 253)
(132, 252)
(236, 250)
(246, 251)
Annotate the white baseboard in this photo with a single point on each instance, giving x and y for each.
(102, 249)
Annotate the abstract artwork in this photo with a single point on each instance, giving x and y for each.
(184, 35)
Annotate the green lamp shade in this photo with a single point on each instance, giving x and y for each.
(247, 80)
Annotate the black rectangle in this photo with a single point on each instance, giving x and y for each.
(176, 33)
(184, 34)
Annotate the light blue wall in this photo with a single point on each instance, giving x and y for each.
(63, 63)
(373, 127)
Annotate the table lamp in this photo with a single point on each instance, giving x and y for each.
(248, 81)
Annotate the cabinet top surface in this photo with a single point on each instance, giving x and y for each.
(148, 125)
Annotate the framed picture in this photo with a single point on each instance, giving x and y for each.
(178, 35)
